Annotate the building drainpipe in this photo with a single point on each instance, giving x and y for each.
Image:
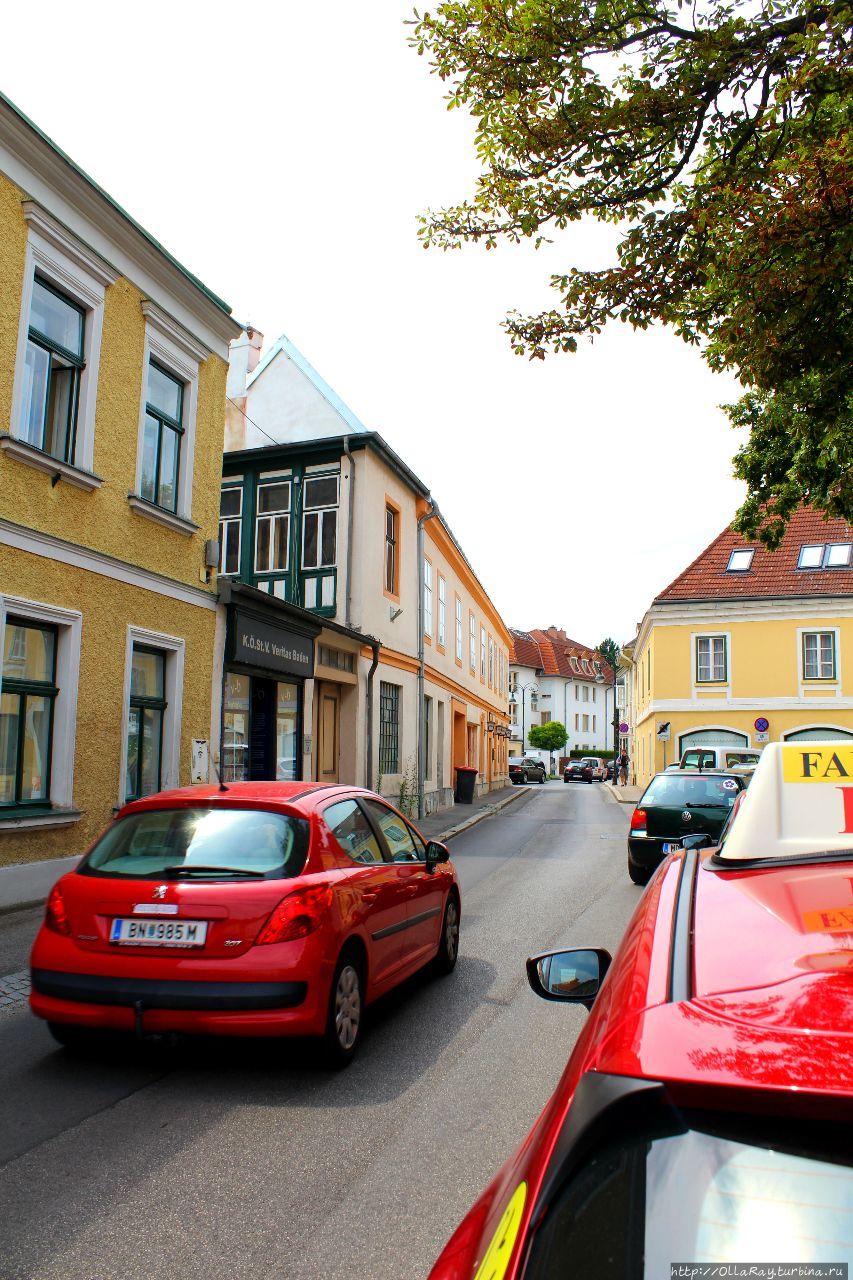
(428, 515)
(368, 745)
(350, 519)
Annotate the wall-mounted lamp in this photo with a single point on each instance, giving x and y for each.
(491, 726)
(395, 613)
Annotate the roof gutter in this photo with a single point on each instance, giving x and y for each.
(368, 747)
(427, 515)
(350, 520)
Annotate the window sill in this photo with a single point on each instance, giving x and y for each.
(33, 457)
(161, 516)
(33, 819)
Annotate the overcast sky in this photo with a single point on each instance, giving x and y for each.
(282, 152)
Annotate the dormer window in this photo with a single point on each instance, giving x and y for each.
(833, 555)
(740, 561)
(837, 555)
(811, 557)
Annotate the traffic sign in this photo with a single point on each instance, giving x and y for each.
(624, 727)
(762, 724)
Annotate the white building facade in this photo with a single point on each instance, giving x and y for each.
(555, 678)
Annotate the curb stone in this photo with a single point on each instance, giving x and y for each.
(486, 812)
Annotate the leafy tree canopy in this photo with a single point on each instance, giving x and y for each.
(548, 737)
(717, 136)
(610, 650)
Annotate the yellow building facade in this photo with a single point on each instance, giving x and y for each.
(747, 646)
(113, 362)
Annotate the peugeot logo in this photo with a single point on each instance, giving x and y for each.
(686, 815)
(161, 891)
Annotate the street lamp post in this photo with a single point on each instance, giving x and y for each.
(522, 688)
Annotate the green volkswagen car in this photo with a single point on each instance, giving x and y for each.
(675, 806)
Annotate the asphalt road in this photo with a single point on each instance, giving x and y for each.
(244, 1160)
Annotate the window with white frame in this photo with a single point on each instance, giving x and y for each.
(811, 556)
(711, 660)
(162, 433)
(819, 655)
(230, 528)
(39, 676)
(165, 463)
(491, 662)
(319, 522)
(472, 641)
(482, 653)
(458, 629)
(427, 597)
(151, 739)
(58, 352)
(442, 611)
(272, 527)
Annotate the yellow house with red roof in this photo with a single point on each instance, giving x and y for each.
(748, 646)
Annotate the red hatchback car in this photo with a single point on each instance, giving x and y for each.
(260, 909)
(706, 1113)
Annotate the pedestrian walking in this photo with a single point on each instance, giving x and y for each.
(623, 769)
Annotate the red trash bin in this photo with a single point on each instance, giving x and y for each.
(466, 781)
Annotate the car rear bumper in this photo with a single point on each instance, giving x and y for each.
(647, 852)
(254, 995)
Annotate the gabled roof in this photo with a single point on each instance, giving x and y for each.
(283, 346)
(772, 574)
(551, 651)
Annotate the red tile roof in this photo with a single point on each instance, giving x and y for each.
(551, 651)
(772, 573)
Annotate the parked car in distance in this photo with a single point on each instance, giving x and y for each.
(717, 756)
(599, 771)
(578, 771)
(706, 1111)
(526, 769)
(256, 909)
(674, 806)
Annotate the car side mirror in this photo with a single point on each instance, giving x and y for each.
(697, 841)
(574, 977)
(436, 852)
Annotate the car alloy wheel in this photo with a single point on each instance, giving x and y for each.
(448, 947)
(343, 1025)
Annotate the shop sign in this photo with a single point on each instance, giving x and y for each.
(273, 648)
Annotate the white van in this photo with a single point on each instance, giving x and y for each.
(711, 756)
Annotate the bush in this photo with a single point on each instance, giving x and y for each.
(577, 754)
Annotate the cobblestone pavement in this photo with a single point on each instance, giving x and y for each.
(14, 988)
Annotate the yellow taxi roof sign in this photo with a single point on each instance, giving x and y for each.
(800, 801)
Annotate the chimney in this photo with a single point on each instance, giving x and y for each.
(242, 361)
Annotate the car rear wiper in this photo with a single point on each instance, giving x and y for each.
(190, 868)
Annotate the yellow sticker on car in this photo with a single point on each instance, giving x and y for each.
(833, 920)
(824, 764)
(497, 1256)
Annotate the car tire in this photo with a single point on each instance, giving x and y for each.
(448, 946)
(346, 1012)
(638, 875)
(589, 780)
(542, 779)
(78, 1039)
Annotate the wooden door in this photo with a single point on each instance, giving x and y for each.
(328, 732)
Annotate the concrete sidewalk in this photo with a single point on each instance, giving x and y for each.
(623, 795)
(447, 823)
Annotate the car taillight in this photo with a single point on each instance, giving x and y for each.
(638, 819)
(55, 915)
(297, 915)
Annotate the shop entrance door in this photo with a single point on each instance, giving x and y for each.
(328, 732)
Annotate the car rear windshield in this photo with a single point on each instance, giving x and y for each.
(674, 789)
(185, 844)
(695, 1198)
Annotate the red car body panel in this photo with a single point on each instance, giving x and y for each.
(365, 900)
(751, 1042)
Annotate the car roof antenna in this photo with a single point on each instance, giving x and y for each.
(222, 786)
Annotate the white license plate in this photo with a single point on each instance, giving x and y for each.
(671, 846)
(159, 933)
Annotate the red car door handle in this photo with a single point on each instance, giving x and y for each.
(370, 897)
